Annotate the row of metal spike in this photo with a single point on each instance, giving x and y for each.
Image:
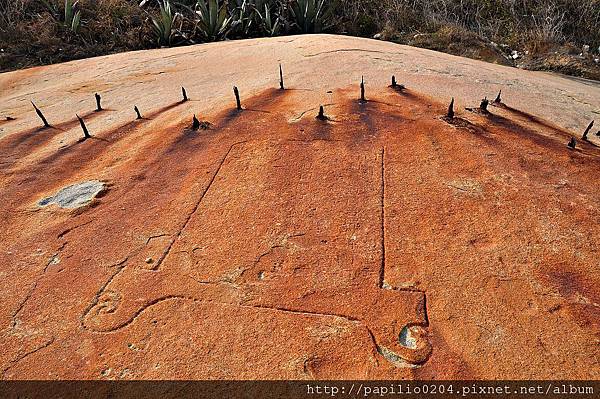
(196, 124)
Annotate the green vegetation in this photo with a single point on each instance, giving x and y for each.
(214, 21)
(71, 14)
(311, 16)
(164, 23)
(539, 34)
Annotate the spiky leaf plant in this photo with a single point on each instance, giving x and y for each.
(213, 21)
(312, 16)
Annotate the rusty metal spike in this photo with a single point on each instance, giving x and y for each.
(86, 133)
(237, 98)
(321, 115)
(281, 86)
(394, 83)
(484, 104)
(184, 94)
(498, 99)
(585, 134)
(98, 99)
(362, 89)
(450, 113)
(137, 112)
(39, 113)
(195, 123)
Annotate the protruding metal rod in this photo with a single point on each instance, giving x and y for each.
(321, 115)
(39, 113)
(195, 123)
(394, 83)
(98, 99)
(498, 99)
(484, 104)
(237, 98)
(362, 89)
(589, 128)
(86, 133)
(184, 94)
(137, 112)
(572, 144)
(450, 113)
(281, 86)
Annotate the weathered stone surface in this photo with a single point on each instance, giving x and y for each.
(384, 242)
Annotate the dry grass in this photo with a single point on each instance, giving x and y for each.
(576, 21)
(31, 35)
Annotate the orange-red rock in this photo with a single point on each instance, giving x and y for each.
(385, 242)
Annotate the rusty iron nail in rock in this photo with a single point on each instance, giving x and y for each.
(137, 112)
(585, 134)
(498, 99)
(39, 113)
(572, 143)
(184, 94)
(98, 99)
(362, 89)
(450, 113)
(321, 115)
(237, 98)
(281, 86)
(484, 104)
(195, 123)
(86, 133)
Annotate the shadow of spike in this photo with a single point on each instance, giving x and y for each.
(237, 98)
(184, 94)
(137, 112)
(587, 131)
(484, 105)
(98, 99)
(86, 133)
(42, 117)
(322, 116)
(281, 86)
(195, 123)
(498, 99)
(362, 90)
(450, 113)
(572, 144)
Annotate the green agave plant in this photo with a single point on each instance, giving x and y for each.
(214, 23)
(256, 16)
(270, 26)
(312, 16)
(71, 17)
(164, 23)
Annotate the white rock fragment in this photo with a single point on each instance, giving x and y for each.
(75, 195)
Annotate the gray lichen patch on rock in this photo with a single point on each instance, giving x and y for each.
(75, 195)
